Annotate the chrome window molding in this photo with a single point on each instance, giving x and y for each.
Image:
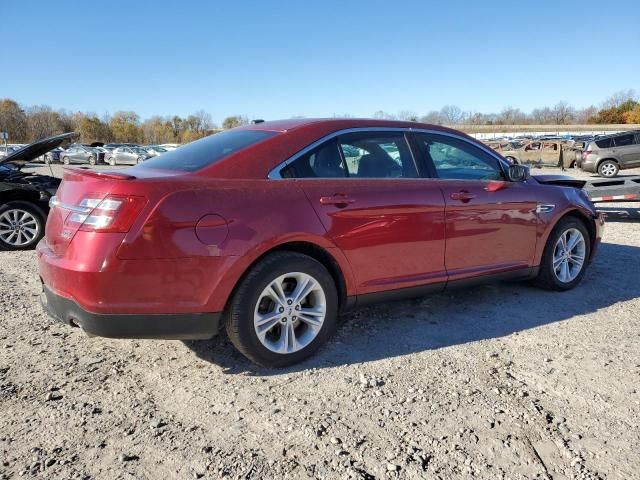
(274, 174)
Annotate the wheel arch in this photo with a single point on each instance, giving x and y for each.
(613, 159)
(578, 214)
(338, 268)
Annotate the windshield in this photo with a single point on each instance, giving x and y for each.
(207, 151)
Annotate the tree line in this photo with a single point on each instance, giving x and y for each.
(29, 123)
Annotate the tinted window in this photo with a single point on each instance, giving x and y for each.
(605, 143)
(377, 155)
(323, 161)
(207, 151)
(458, 159)
(624, 140)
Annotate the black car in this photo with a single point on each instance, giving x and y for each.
(79, 153)
(24, 197)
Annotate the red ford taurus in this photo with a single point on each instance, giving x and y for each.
(271, 230)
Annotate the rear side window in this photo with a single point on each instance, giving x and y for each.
(605, 143)
(377, 155)
(624, 140)
(207, 151)
(323, 161)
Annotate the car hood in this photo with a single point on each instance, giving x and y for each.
(34, 150)
(561, 180)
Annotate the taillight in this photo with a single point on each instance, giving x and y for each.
(586, 153)
(114, 213)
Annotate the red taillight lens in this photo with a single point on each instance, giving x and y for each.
(585, 154)
(114, 213)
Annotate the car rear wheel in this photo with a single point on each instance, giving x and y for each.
(112, 161)
(21, 225)
(92, 160)
(65, 160)
(565, 256)
(284, 309)
(608, 169)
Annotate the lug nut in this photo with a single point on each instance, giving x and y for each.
(297, 307)
(289, 302)
(294, 318)
(281, 309)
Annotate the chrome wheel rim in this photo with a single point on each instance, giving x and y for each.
(290, 312)
(18, 227)
(608, 170)
(569, 255)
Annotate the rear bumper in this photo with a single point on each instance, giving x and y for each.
(183, 326)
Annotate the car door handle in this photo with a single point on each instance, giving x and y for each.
(339, 200)
(463, 196)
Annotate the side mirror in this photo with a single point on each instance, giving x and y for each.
(518, 173)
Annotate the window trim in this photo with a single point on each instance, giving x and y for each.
(424, 170)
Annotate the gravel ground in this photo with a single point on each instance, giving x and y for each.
(501, 381)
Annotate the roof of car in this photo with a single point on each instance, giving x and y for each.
(337, 123)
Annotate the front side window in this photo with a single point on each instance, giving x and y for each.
(377, 155)
(457, 159)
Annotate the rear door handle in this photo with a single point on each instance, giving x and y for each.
(339, 200)
(463, 196)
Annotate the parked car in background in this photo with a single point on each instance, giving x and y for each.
(78, 153)
(155, 149)
(24, 197)
(270, 230)
(127, 156)
(608, 155)
(170, 146)
(554, 153)
(53, 156)
(8, 150)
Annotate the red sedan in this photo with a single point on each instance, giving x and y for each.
(273, 229)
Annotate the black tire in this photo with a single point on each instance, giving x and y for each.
(139, 159)
(92, 160)
(608, 166)
(65, 160)
(239, 316)
(38, 215)
(112, 161)
(547, 277)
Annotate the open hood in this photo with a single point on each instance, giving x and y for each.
(34, 150)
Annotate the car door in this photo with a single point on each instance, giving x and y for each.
(550, 153)
(627, 149)
(490, 223)
(389, 222)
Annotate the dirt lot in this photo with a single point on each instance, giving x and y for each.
(502, 381)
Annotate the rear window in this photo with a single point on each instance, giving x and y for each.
(604, 143)
(206, 151)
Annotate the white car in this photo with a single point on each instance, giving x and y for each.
(169, 146)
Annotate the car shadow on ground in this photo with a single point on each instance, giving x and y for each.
(452, 318)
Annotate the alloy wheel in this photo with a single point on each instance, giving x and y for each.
(608, 170)
(290, 312)
(18, 227)
(569, 255)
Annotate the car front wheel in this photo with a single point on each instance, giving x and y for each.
(284, 309)
(65, 160)
(21, 225)
(565, 256)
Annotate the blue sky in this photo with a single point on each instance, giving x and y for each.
(277, 59)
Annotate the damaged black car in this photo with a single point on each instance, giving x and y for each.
(24, 196)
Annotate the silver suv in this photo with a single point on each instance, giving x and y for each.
(613, 153)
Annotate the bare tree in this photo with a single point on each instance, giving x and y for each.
(618, 98)
(452, 114)
(432, 117)
(382, 115)
(562, 113)
(511, 116)
(407, 116)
